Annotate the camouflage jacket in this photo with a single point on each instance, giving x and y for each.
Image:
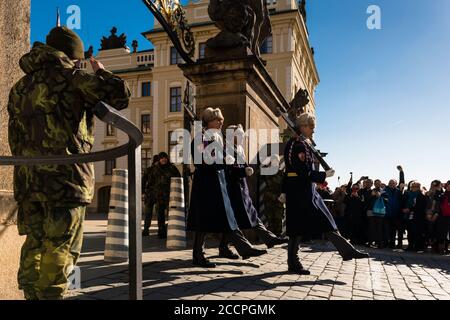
(50, 113)
(163, 176)
(148, 184)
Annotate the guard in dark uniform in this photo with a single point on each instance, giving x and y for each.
(244, 211)
(211, 210)
(306, 211)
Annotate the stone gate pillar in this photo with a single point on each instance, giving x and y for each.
(14, 42)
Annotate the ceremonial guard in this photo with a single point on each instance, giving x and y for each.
(245, 213)
(211, 210)
(306, 211)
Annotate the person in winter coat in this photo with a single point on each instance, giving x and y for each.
(394, 218)
(442, 208)
(414, 208)
(149, 191)
(163, 175)
(354, 211)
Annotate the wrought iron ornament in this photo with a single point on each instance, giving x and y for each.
(171, 16)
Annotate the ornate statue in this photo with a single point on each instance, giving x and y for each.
(298, 104)
(242, 23)
(135, 45)
(302, 9)
(114, 41)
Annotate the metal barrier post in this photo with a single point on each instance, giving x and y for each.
(135, 212)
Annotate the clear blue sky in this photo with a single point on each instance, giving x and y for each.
(384, 94)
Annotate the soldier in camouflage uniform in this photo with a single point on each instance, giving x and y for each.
(274, 209)
(149, 191)
(164, 172)
(50, 113)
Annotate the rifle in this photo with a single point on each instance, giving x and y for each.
(309, 142)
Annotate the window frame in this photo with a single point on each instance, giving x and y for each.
(149, 122)
(179, 103)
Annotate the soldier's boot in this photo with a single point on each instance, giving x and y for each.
(243, 246)
(294, 264)
(270, 239)
(345, 248)
(225, 251)
(198, 254)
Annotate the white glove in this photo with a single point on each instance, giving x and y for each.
(330, 173)
(249, 171)
(229, 160)
(282, 198)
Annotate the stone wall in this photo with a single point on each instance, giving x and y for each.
(14, 42)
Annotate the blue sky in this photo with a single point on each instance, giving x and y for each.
(384, 94)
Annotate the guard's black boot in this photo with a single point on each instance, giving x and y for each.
(294, 264)
(225, 251)
(277, 241)
(145, 233)
(198, 254)
(243, 246)
(253, 253)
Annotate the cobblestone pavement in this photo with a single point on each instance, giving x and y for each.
(387, 275)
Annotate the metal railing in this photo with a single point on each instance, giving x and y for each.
(132, 150)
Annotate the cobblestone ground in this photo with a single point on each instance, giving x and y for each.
(387, 275)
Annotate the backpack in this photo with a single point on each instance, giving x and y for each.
(379, 208)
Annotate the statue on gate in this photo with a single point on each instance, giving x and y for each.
(243, 23)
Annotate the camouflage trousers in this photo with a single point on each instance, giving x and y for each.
(54, 234)
(274, 217)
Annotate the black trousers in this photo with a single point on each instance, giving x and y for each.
(395, 228)
(161, 211)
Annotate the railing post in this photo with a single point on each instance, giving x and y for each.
(135, 218)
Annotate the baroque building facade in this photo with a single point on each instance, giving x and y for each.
(158, 84)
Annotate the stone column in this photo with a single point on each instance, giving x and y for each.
(243, 90)
(14, 42)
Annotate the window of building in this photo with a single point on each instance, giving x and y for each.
(146, 89)
(146, 124)
(175, 57)
(173, 141)
(146, 159)
(110, 165)
(267, 45)
(110, 131)
(175, 99)
(202, 50)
